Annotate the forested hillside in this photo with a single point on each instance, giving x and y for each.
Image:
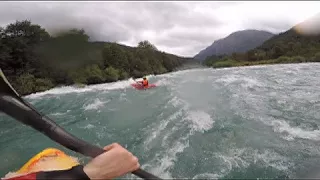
(33, 60)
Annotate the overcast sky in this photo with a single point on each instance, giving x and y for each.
(182, 28)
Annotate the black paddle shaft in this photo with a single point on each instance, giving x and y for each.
(13, 105)
(27, 115)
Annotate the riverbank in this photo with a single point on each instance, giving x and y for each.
(281, 60)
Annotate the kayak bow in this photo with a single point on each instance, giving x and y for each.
(13, 105)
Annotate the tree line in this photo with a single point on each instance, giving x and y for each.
(34, 60)
(287, 47)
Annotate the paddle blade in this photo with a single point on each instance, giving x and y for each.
(5, 86)
(13, 105)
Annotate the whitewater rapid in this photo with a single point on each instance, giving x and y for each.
(244, 122)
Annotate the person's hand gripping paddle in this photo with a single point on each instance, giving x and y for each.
(12, 104)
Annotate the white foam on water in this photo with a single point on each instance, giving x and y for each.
(272, 159)
(197, 120)
(58, 114)
(175, 101)
(156, 130)
(164, 164)
(231, 159)
(165, 160)
(290, 133)
(242, 158)
(140, 79)
(73, 89)
(58, 91)
(259, 107)
(177, 73)
(228, 79)
(162, 82)
(168, 78)
(95, 105)
(207, 176)
(165, 79)
(245, 82)
(282, 127)
(122, 97)
(250, 82)
(89, 126)
(200, 120)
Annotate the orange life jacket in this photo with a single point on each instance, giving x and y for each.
(145, 83)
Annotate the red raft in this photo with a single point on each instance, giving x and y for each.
(140, 87)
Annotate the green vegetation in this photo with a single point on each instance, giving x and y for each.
(33, 60)
(287, 47)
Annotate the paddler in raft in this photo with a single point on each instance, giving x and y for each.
(55, 165)
(144, 82)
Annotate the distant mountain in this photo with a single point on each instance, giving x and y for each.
(302, 40)
(301, 43)
(240, 41)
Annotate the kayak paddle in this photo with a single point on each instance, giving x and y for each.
(12, 104)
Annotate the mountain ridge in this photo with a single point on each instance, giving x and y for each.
(300, 43)
(236, 42)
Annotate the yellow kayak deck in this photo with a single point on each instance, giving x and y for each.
(49, 159)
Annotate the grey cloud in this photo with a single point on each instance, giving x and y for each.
(180, 27)
(274, 26)
(161, 15)
(118, 20)
(190, 41)
(54, 16)
(183, 49)
(196, 35)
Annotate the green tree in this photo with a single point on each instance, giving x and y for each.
(317, 57)
(35, 61)
(123, 75)
(115, 56)
(147, 45)
(17, 42)
(42, 84)
(111, 74)
(25, 83)
(94, 74)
